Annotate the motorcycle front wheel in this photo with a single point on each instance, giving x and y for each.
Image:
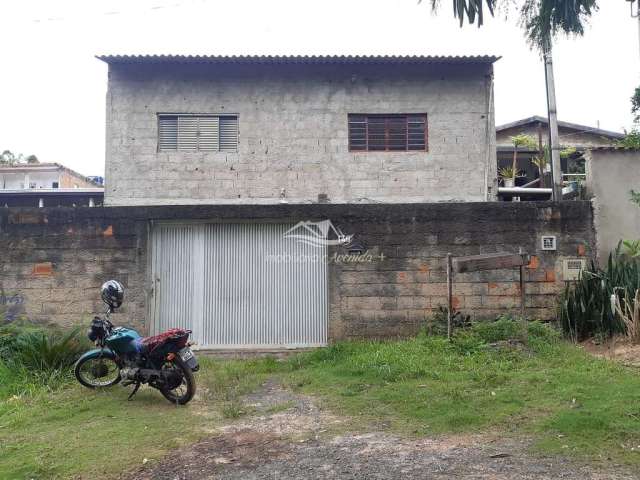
(183, 386)
(97, 372)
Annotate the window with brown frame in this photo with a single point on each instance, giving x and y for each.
(387, 133)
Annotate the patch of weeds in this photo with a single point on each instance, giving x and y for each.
(280, 407)
(353, 389)
(228, 380)
(503, 328)
(467, 343)
(436, 324)
(234, 409)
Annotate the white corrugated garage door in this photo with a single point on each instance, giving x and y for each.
(239, 285)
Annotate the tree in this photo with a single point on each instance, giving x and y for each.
(635, 105)
(9, 158)
(542, 20)
(631, 139)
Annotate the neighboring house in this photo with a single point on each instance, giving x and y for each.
(46, 184)
(298, 129)
(580, 137)
(98, 180)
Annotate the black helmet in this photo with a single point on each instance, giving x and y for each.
(112, 293)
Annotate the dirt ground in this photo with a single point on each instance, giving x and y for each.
(619, 349)
(289, 437)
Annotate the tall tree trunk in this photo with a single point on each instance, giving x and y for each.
(515, 161)
(554, 143)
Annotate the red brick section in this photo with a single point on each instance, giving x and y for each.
(44, 269)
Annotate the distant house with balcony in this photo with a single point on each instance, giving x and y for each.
(571, 135)
(46, 184)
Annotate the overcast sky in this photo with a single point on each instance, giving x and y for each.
(52, 89)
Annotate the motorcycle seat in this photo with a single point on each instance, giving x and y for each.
(148, 345)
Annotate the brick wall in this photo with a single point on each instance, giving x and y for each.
(396, 295)
(54, 259)
(293, 134)
(69, 180)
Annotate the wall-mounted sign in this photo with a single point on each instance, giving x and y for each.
(549, 243)
(571, 268)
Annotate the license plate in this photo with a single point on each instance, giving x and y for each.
(186, 354)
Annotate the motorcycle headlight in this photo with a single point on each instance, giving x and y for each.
(97, 330)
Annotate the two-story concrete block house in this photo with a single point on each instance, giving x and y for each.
(247, 170)
(261, 129)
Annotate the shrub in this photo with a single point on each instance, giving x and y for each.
(436, 324)
(49, 351)
(503, 328)
(585, 306)
(37, 349)
(466, 342)
(10, 335)
(543, 332)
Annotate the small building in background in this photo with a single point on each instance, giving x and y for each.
(575, 140)
(46, 184)
(578, 137)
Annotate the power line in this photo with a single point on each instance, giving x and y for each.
(119, 12)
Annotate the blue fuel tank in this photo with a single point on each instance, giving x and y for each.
(123, 340)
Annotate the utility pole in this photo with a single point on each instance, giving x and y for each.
(554, 143)
(637, 16)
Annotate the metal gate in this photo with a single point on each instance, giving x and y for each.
(239, 285)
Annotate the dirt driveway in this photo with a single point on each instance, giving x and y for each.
(289, 437)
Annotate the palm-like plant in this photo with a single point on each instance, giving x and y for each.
(471, 10)
(518, 141)
(541, 19)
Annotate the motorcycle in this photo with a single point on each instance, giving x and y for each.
(165, 361)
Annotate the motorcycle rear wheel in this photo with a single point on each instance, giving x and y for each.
(184, 392)
(97, 372)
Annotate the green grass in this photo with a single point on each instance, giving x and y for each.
(51, 427)
(551, 391)
(77, 432)
(70, 431)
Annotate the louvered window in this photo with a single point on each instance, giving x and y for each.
(198, 133)
(387, 133)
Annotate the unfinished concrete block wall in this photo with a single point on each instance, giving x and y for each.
(398, 295)
(293, 133)
(611, 175)
(55, 259)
